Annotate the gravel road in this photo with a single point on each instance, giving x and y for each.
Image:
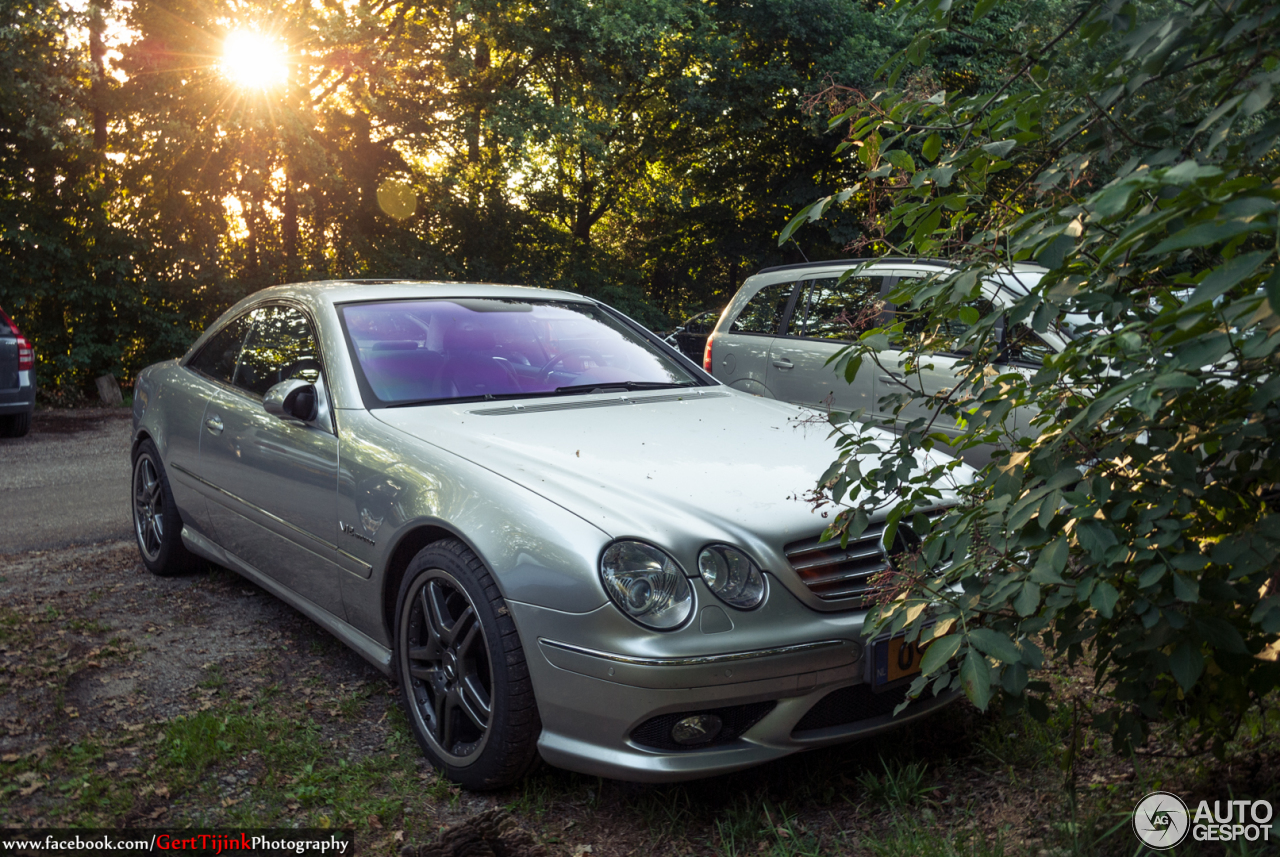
(67, 481)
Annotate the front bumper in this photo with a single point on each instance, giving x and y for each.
(593, 698)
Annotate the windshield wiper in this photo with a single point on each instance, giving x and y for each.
(558, 391)
(486, 397)
(620, 385)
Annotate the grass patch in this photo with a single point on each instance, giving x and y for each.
(901, 785)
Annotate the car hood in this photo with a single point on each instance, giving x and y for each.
(670, 467)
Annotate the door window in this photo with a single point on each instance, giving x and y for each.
(217, 359)
(1024, 345)
(830, 309)
(764, 311)
(280, 347)
(942, 336)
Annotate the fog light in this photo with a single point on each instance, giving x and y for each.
(698, 729)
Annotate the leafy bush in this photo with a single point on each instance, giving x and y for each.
(1131, 150)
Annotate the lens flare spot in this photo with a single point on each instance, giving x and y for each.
(252, 60)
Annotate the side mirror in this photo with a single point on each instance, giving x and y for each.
(292, 400)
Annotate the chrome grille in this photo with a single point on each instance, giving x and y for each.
(834, 573)
(843, 574)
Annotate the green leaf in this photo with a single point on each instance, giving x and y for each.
(1104, 598)
(1225, 276)
(1272, 287)
(1028, 600)
(1258, 99)
(901, 160)
(1186, 663)
(939, 652)
(1051, 561)
(931, 147)
(975, 675)
(1052, 254)
(999, 148)
(982, 7)
(1113, 200)
(1014, 679)
(1206, 234)
(996, 644)
(1221, 634)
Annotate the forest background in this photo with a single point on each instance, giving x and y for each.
(645, 152)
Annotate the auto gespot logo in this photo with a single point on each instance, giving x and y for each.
(1162, 820)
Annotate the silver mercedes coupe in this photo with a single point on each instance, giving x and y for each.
(562, 537)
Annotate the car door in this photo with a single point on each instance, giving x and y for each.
(740, 351)
(213, 366)
(828, 315)
(274, 480)
(936, 371)
(1023, 350)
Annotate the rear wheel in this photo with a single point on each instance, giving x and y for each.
(15, 425)
(157, 526)
(463, 677)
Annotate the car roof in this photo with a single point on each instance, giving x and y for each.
(353, 290)
(1017, 267)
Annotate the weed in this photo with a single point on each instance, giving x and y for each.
(88, 626)
(1019, 742)
(910, 839)
(901, 785)
(214, 678)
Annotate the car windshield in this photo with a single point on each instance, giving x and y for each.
(424, 351)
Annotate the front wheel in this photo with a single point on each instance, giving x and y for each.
(156, 523)
(463, 677)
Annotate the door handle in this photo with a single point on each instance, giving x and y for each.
(214, 424)
(891, 377)
(784, 363)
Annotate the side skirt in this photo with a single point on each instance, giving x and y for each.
(365, 646)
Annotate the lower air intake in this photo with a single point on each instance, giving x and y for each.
(849, 705)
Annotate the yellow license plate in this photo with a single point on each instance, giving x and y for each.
(895, 659)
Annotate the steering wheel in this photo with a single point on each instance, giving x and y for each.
(548, 369)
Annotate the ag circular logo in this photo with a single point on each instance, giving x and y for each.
(1161, 820)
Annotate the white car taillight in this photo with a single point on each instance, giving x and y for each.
(26, 354)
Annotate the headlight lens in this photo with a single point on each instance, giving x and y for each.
(732, 576)
(647, 584)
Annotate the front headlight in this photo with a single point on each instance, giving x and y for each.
(647, 584)
(732, 576)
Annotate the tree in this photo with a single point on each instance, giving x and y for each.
(1132, 150)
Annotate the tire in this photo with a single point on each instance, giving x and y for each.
(463, 678)
(15, 425)
(157, 526)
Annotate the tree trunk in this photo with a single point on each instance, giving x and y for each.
(290, 228)
(97, 53)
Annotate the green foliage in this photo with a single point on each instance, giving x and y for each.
(1130, 149)
(640, 151)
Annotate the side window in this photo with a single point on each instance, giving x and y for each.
(280, 347)
(942, 336)
(1024, 345)
(217, 358)
(830, 309)
(764, 311)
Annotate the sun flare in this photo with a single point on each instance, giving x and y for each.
(253, 60)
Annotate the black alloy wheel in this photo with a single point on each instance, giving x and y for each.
(463, 678)
(156, 522)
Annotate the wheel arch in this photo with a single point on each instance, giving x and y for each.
(414, 539)
(139, 437)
